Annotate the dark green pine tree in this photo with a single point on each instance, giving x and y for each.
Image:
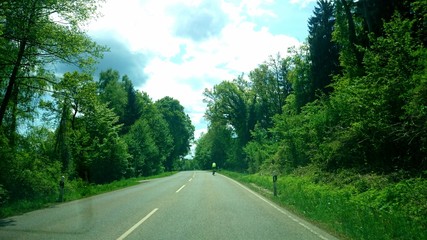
(323, 51)
(132, 111)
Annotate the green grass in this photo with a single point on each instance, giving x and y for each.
(394, 211)
(74, 190)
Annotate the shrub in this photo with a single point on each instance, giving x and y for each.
(358, 206)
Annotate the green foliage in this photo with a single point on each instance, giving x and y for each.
(4, 196)
(351, 157)
(299, 77)
(383, 210)
(87, 124)
(187, 165)
(74, 95)
(37, 180)
(374, 120)
(348, 32)
(269, 88)
(73, 190)
(30, 174)
(259, 150)
(144, 152)
(407, 196)
(162, 137)
(367, 111)
(33, 38)
(180, 129)
(154, 143)
(216, 146)
(292, 133)
(202, 152)
(323, 51)
(133, 107)
(113, 93)
(109, 161)
(87, 139)
(228, 105)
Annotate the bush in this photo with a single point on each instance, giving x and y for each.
(36, 180)
(357, 206)
(3, 195)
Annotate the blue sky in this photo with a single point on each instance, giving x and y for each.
(178, 48)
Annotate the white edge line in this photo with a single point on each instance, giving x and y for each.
(136, 225)
(280, 210)
(177, 191)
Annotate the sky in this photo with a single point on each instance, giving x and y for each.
(178, 48)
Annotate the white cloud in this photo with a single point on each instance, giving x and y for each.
(255, 8)
(302, 3)
(182, 67)
(144, 25)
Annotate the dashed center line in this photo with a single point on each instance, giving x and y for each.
(137, 225)
(183, 186)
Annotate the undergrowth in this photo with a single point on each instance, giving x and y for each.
(73, 190)
(354, 206)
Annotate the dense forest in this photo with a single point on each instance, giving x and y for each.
(354, 96)
(92, 129)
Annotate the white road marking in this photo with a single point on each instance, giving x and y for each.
(279, 209)
(136, 225)
(190, 179)
(183, 186)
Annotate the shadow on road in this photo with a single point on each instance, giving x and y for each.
(7, 222)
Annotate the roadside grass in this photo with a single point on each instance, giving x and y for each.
(366, 207)
(73, 190)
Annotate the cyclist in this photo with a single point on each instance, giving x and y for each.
(213, 168)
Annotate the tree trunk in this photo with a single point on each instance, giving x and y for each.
(352, 34)
(61, 146)
(12, 81)
(13, 124)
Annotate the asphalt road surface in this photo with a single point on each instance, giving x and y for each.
(187, 205)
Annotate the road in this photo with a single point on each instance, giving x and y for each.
(187, 205)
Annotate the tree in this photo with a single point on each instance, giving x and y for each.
(323, 51)
(260, 149)
(221, 147)
(113, 93)
(299, 77)
(39, 32)
(364, 123)
(132, 111)
(120, 96)
(346, 35)
(149, 139)
(87, 137)
(144, 152)
(180, 128)
(392, 72)
(74, 94)
(203, 152)
(270, 87)
(227, 104)
(374, 120)
(101, 155)
(218, 146)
